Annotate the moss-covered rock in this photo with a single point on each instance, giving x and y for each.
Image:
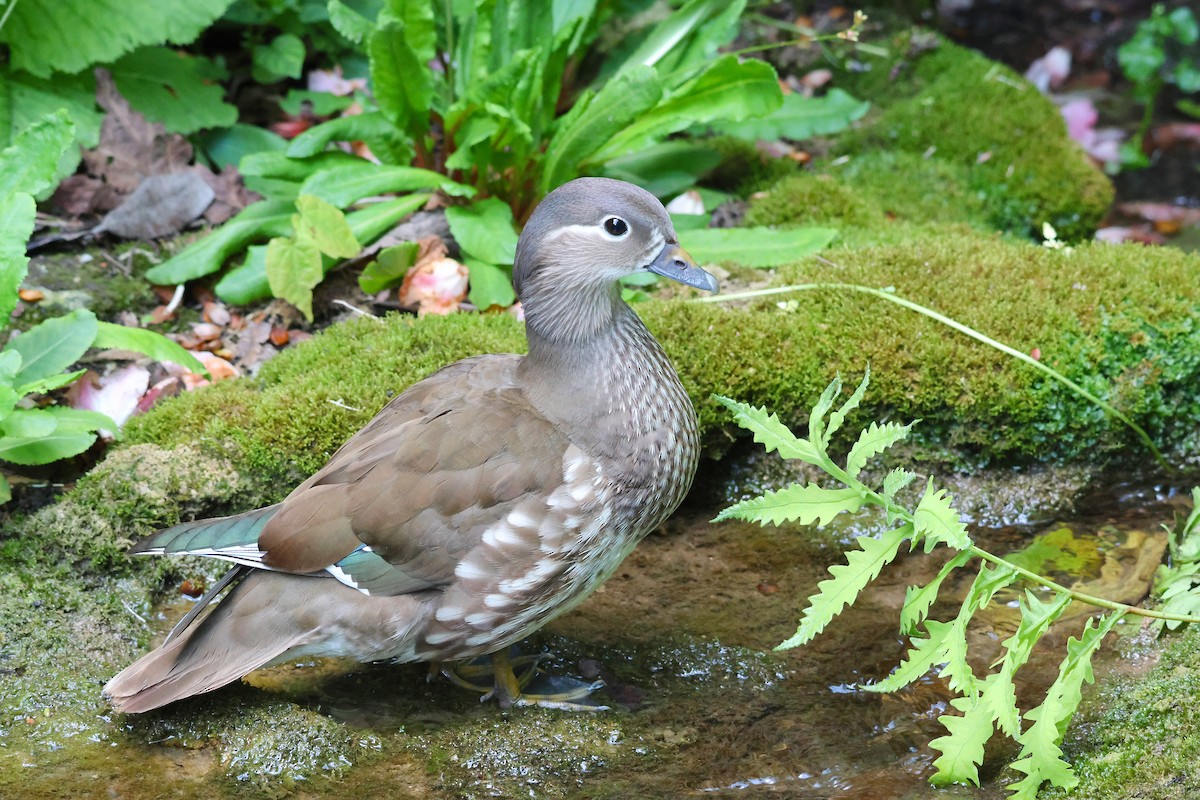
(1118, 320)
(1141, 740)
(985, 122)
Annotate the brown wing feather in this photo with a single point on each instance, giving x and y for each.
(424, 479)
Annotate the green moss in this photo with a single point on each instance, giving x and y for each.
(744, 169)
(876, 198)
(953, 105)
(815, 199)
(1117, 319)
(1144, 743)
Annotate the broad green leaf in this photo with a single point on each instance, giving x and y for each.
(583, 132)
(349, 23)
(402, 82)
(390, 145)
(326, 226)
(293, 269)
(8, 400)
(80, 420)
(29, 423)
(938, 522)
(490, 285)
(169, 87)
(419, 27)
(248, 283)
(25, 100)
(800, 118)
(320, 104)
(30, 451)
(10, 365)
(669, 34)
(484, 230)
(770, 432)
(666, 169)
(50, 383)
(800, 503)
(293, 168)
(847, 580)
(17, 213)
(918, 599)
(282, 58)
(148, 343)
(228, 146)
(839, 416)
(30, 165)
(255, 223)
(344, 184)
(1041, 755)
(46, 36)
(5, 490)
(727, 90)
(51, 346)
(872, 441)
(756, 247)
(388, 268)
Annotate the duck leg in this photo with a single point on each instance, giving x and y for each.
(519, 681)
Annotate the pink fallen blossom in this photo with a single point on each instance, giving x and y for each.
(116, 394)
(435, 286)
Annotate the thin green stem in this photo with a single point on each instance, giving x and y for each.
(899, 512)
(806, 40)
(1091, 600)
(8, 11)
(958, 326)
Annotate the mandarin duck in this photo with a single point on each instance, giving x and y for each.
(480, 503)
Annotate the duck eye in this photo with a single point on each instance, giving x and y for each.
(616, 226)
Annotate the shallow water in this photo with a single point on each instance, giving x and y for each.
(682, 634)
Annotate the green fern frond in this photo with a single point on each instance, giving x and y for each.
(872, 441)
(770, 432)
(918, 599)
(838, 417)
(835, 593)
(937, 521)
(802, 503)
(1041, 756)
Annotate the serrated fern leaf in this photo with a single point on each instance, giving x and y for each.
(999, 692)
(918, 599)
(816, 419)
(962, 750)
(937, 521)
(802, 503)
(872, 441)
(770, 432)
(896, 480)
(923, 655)
(838, 417)
(957, 670)
(1041, 757)
(847, 580)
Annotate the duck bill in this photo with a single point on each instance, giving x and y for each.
(673, 262)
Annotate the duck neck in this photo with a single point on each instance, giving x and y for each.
(590, 359)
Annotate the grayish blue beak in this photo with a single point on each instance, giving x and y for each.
(674, 263)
